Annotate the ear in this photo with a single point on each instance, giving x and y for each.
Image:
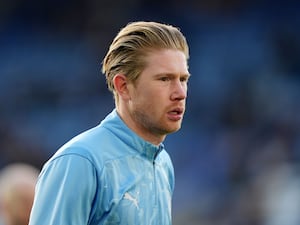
(121, 86)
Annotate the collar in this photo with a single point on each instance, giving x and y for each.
(115, 124)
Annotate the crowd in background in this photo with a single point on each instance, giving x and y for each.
(237, 155)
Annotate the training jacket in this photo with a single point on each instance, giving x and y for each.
(107, 175)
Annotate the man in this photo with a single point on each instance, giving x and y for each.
(119, 171)
(17, 182)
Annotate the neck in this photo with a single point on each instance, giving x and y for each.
(139, 130)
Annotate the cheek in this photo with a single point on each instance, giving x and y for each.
(146, 101)
(146, 94)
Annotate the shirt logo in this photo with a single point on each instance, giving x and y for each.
(132, 199)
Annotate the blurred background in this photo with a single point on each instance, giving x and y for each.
(237, 155)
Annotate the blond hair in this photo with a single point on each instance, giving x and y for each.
(129, 48)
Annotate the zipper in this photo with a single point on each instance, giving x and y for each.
(155, 177)
(156, 191)
(155, 184)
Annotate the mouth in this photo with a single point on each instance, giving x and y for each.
(175, 114)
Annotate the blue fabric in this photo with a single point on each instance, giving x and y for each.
(106, 175)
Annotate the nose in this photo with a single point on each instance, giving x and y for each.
(179, 91)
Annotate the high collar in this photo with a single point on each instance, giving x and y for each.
(115, 124)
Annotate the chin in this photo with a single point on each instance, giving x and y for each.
(173, 129)
(168, 128)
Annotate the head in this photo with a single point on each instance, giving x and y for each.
(128, 51)
(17, 184)
(141, 52)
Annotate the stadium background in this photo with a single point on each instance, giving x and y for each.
(237, 154)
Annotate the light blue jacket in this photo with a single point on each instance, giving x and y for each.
(106, 175)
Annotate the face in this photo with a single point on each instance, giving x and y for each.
(157, 98)
(18, 203)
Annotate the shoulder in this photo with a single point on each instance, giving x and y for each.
(96, 145)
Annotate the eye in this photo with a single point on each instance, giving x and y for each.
(184, 79)
(165, 79)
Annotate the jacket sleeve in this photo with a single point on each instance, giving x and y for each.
(64, 192)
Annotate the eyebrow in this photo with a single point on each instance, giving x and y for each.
(187, 75)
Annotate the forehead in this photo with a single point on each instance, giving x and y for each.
(166, 61)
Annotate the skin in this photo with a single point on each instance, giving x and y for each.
(17, 182)
(154, 105)
(16, 208)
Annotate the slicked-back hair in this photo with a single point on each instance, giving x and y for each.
(127, 52)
